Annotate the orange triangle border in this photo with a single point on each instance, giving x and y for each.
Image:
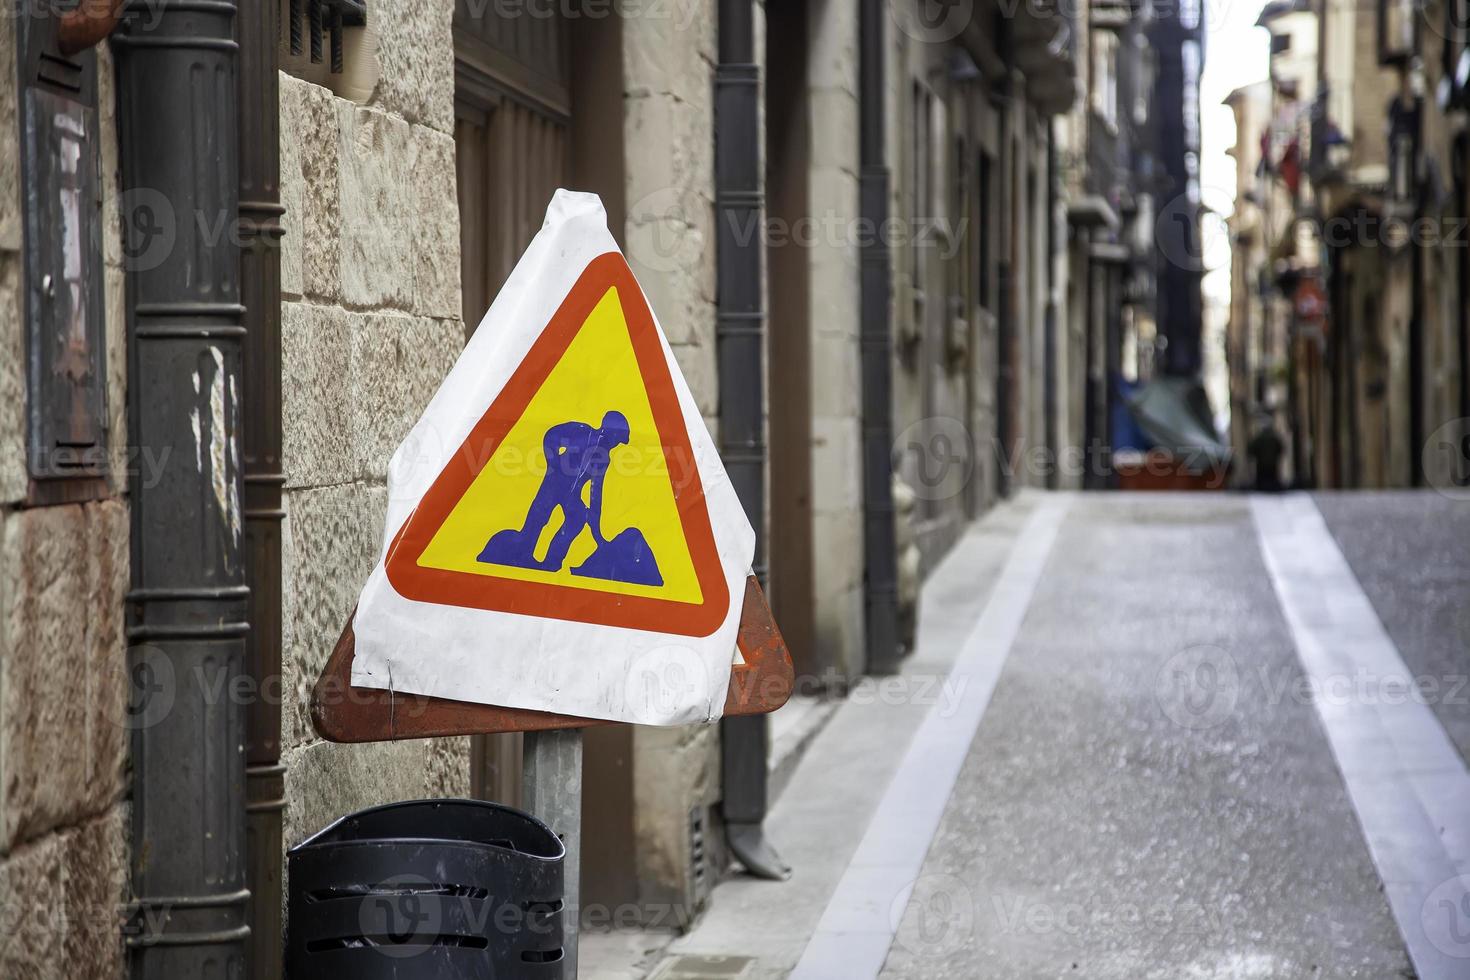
(547, 601)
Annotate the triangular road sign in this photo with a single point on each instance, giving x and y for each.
(576, 495)
(561, 535)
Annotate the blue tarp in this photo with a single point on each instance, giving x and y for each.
(1126, 433)
(1171, 414)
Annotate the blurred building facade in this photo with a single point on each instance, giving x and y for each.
(1245, 342)
(1128, 169)
(1176, 36)
(980, 351)
(940, 227)
(1359, 193)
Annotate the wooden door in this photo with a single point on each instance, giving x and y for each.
(512, 133)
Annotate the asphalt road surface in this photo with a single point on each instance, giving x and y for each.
(1123, 812)
(1174, 737)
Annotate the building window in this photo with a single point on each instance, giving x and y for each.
(1105, 77)
(984, 292)
(1143, 90)
(921, 188)
(1398, 23)
(1455, 52)
(953, 234)
(956, 228)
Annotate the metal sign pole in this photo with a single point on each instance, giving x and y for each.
(551, 789)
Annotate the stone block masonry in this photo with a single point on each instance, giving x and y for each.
(370, 325)
(668, 147)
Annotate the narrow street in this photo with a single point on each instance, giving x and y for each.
(1176, 737)
(734, 490)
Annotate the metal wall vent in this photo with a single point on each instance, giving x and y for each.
(317, 24)
(700, 877)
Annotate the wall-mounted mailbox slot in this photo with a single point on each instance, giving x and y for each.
(63, 264)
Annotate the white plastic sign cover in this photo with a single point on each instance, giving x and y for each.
(561, 535)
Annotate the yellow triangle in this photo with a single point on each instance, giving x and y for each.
(596, 375)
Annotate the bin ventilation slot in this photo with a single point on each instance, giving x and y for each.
(542, 955)
(395, 890)
(369, 942)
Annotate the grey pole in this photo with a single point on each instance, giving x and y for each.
(740, 337)
(551, 789)
(187, 609)
(880, 560)
(1052, 322)
(260, 288)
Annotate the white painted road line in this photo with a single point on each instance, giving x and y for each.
(1407, 782)
(863, 914)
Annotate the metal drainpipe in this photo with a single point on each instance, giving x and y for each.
(1052, 326)
(1004, 374)
(260, 287)
(1417, 421)
(879, 558)
(188, 604)
(1005, 300)
(740, 337)
(1091, 434)
(1460, 159)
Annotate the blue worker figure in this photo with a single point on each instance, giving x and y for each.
(577, 458)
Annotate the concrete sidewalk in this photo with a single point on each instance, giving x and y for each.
(762, 927)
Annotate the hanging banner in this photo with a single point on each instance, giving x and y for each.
(561, 535)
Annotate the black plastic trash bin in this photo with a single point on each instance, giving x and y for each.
(426, 890)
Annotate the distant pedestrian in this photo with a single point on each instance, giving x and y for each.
(1266, 450)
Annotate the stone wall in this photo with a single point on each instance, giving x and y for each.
(1372, 87)
(370, 325)
(948, 334)
(946, 338)
(63, 689)
(1442, 293)
(1025, 338)
(834, 321)
(668, 149)
(1032, 468)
